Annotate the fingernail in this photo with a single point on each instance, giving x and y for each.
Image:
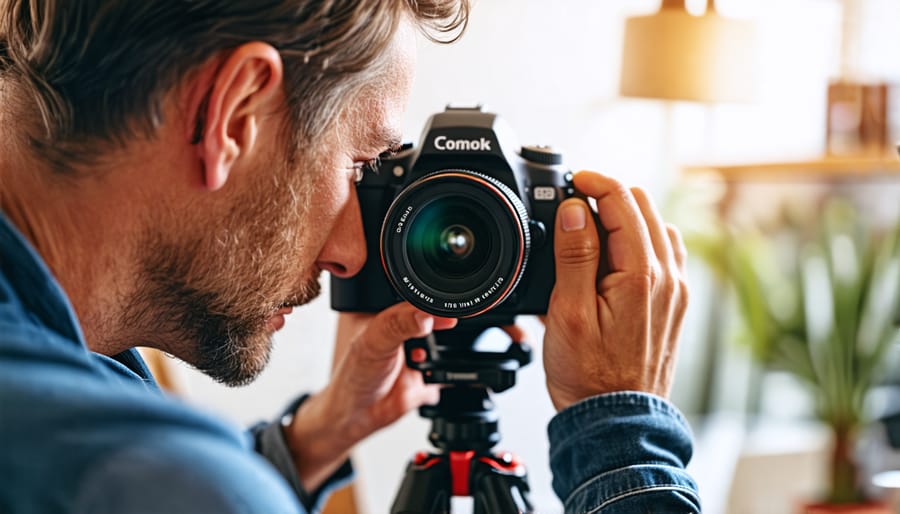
(573, 217)
(425, 321)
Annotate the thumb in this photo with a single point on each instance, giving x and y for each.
(576, 249)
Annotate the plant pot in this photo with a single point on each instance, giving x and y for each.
(845, 508)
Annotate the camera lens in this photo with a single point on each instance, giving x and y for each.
(455, 243)
(449, 247)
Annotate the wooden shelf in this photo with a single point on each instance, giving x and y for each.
(825, 168)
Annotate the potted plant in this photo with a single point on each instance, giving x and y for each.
(817, 299)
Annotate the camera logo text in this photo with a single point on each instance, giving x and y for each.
(444, 144)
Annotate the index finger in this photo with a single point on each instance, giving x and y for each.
(629, 246)
(387, 331)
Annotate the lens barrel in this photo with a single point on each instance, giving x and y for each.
(455, 243)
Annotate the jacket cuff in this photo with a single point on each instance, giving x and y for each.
(618, 446)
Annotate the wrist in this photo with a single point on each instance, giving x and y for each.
(317, 442)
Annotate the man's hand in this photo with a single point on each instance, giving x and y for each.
(371, 387)
(619, 331)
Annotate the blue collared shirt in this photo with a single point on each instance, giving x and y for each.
(86, 433)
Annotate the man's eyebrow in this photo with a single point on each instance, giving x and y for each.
(385, 139)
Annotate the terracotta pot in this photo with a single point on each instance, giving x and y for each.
(852, 508)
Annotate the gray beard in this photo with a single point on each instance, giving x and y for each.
(200, 327)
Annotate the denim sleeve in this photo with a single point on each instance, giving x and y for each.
(622, 453)
(269, 441)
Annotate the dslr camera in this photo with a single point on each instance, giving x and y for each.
(461, 226)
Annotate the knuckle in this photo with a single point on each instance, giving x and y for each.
(673, 231)
(575, 321)
(677, 240)
(655, 274)
(619, 190)
(640, 284)
(684, 294)
(364, 350)
(396, 325)
(580, 251)
(667, 287)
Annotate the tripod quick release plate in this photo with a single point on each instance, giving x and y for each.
(449, 365)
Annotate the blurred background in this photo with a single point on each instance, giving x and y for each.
(766, 130)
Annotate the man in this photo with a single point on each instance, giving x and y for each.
(177, 174)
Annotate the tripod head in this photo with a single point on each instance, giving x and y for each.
(465, 419)
(451, 357)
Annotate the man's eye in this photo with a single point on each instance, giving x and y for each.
(360, 169)
(371, 165)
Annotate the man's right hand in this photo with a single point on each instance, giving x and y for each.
(615, 332)
(371, 387)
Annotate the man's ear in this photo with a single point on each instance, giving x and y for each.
(240, 95)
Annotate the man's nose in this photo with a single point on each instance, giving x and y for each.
(344, 252)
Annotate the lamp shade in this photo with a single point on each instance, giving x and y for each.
(673, 55)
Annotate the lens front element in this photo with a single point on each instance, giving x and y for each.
(449, 247)
(455, 243)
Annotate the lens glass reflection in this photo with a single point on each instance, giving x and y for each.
(452, 246)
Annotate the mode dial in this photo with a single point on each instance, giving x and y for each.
(541, 154)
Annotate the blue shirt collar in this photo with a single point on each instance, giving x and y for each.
(33, 284)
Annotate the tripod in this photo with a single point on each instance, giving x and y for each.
(464, 427)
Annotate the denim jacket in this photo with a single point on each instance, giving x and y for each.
(87, 433)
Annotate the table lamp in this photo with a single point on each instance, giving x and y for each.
(674, 55)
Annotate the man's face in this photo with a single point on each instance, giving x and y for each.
(220, 287)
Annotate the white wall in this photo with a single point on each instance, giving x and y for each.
(551, 68)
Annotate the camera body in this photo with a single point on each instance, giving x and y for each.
(460, 226)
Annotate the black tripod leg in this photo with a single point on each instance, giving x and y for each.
(425, 488)
(500, 491)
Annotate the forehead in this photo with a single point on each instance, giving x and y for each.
(383, 100)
